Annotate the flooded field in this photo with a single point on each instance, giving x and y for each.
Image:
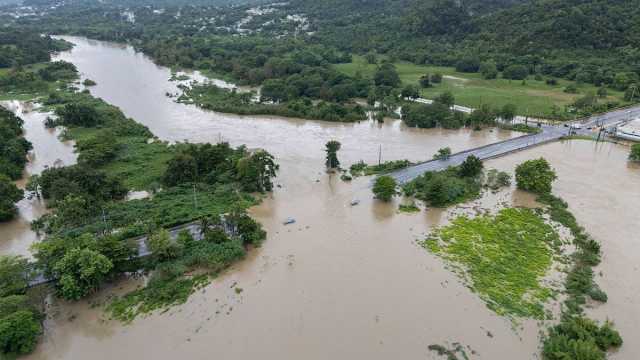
(343, 281)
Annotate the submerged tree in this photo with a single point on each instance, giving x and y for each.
(384, 188)
(443, 154)
(535, 176)
(332, 148)
(257, 171)
(471, 167)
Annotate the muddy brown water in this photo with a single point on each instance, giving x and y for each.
(16, 236)
(343, 281)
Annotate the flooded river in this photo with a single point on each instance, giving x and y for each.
(342, 282)
(16, 236)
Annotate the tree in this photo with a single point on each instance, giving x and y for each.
(331, 148)
(508, 112)
(274, 90)
(471, 167)
(386, 75)
(602, 92)
(14, 275)
(442, 154)
(484, 115)
(446, 99)
(425, 82)
(79, 114)
(634, 155)
(468, 64)
(586, 101)
(80, 272)
(535, 176)
(425, 115)
(410, 92)
(515, 72)
(371, 58)
(19, 333)
(180, 169)
(384, 188)
(436, 78)
(162, 247)
(489, 70)
(256, 171)
(632, 92)
(9, 195)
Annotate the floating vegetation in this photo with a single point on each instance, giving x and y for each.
(451, 354)
(504, 258)
(158, 294)
(409, 208)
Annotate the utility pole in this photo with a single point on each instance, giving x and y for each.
(380, 155)
(195, 198)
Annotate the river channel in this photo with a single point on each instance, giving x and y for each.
(343, 281)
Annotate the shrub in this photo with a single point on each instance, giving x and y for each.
(634, 154)
(497, 179)
(580, 338)
(162, 247)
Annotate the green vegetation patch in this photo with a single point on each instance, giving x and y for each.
(361, 168)
(408, 208)
(159, 294)
(503, 257)
(211, 97)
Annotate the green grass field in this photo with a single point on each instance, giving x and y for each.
(534, 98)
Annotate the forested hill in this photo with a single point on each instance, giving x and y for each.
(566, 24)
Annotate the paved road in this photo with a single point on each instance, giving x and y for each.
(549, 133)
(141, 244)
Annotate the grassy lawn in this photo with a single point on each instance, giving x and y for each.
(534, 98)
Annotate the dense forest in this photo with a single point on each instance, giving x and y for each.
(13, 157)
(26, 47)
(291, 47)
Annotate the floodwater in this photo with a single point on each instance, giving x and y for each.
(16, 236)
(601, 187)
(343, 281)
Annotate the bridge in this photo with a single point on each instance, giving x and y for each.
(549, 133)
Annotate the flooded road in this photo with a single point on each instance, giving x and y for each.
(16, 236)
(343, 281)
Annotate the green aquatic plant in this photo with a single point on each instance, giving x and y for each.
(504, 258)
